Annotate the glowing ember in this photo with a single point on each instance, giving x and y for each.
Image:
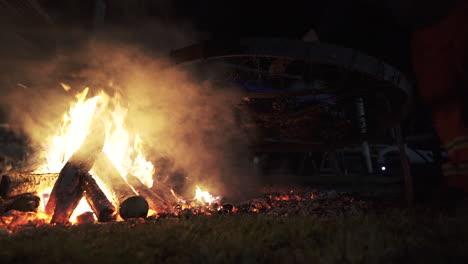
(152, 212)
(81, 208)
(14, 220)
(204, 197)
(65, 87)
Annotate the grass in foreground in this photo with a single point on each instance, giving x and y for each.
(396, 237)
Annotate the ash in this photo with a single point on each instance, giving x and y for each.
(316, 204)
(320, 204)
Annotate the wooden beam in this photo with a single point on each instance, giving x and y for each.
(130, 204)
(97, 200)
(67, 191)
(17, 183)
(155, 201)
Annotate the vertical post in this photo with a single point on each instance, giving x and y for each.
(343, 163)
(335, 163)
(361, 115)
(367, 157)
(405, 165)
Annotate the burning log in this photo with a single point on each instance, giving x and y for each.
(68, 190)
(85, 218)
(134, 207)
(5, 183)
(18, 183)
(177, 183)
(97, 200)
(130, 204)
(155, 201)
(66, 193)
(24, 203)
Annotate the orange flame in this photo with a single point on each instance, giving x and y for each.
(123, 148)
(204, 197)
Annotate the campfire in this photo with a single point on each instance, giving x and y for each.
(95, 169)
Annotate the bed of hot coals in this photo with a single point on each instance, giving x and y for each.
(312, 203)
(319, 204)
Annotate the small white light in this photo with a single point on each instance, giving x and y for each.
(383, 168)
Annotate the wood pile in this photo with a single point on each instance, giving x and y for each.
(130, 198)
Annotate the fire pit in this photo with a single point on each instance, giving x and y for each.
(96, 167)
(307, 203)
(94, 164)
(96, 170)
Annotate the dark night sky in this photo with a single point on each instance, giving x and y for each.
(355, 24)
(365, 25)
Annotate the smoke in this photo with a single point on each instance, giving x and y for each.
(187, 123)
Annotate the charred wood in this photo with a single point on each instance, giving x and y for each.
(85, 218)
(168, 177)
(164, 191)
(130, 204)
(66, 194)
(24, 203)
(134, 207)
(68, 190)
(106, 172)
(155, 201)
(4, 186)
(177, 182)
(97, 200)
(18, 183)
